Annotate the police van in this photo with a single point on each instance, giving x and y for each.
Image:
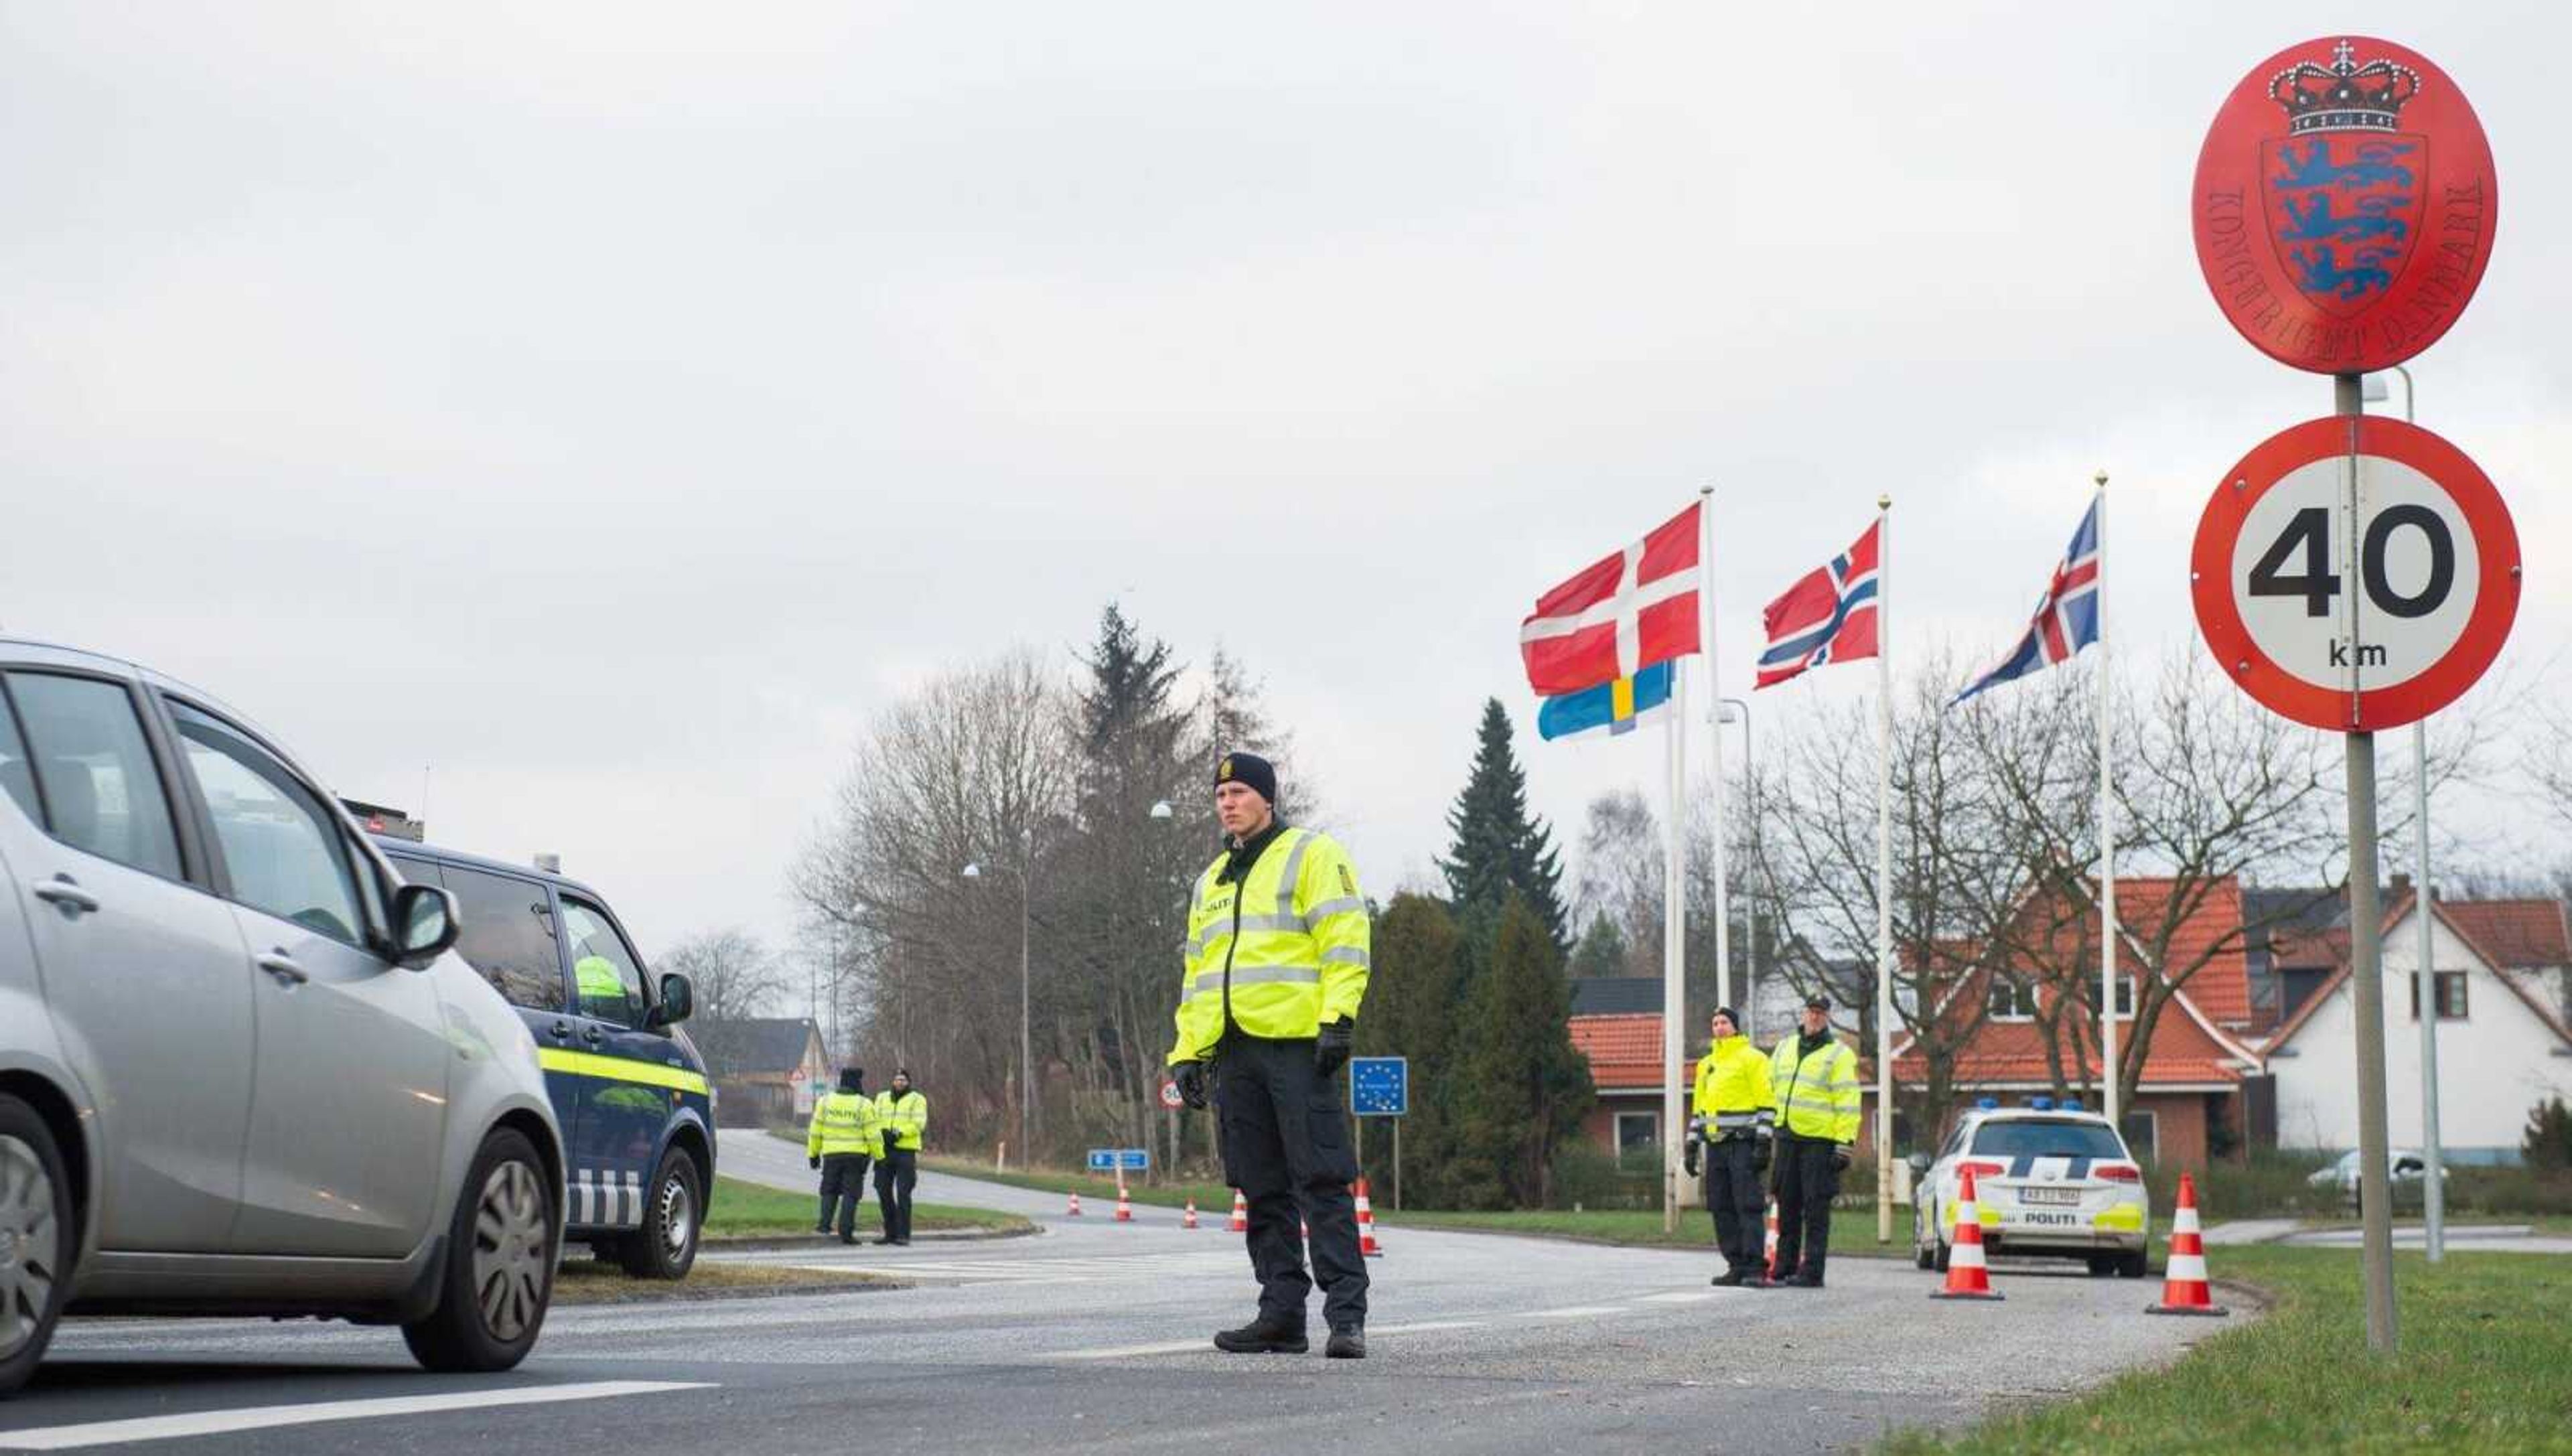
(628, 1086)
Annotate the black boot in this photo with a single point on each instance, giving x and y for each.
(1730, 1278)
(1265, 1335)
(1348, 1342)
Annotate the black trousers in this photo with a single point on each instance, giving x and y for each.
(1286, 1146)
(1737, 1196)
(844, 1182)
(896, 1174)
(1806, 1179)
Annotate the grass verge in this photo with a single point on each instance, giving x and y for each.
(1852, 1229)
(748, 1210)
(1209, 1197)
(2484, 1348)
(588, 1281)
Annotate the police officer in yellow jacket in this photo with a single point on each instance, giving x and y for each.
(1276, 965)
(1814, 1078)
(903, 1115)
(1735, 1118)
(845, 1135)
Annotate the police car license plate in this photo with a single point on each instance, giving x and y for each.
(2049, 1196)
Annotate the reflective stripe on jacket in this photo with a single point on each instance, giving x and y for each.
(906, 1116)
(844, 1121)
(1817, 1096)
(1279, 952)
(1733, 1087)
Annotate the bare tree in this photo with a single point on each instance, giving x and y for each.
(733, 975)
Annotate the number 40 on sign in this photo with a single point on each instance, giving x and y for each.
(2356, 574)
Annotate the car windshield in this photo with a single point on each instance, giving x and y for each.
(2031, 1138)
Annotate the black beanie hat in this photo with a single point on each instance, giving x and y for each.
(853, 1078)
(1731, 1016)
(1249, 769)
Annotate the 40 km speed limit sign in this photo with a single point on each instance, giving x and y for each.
(2356, 574)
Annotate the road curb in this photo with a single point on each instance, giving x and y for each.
(763, 1242)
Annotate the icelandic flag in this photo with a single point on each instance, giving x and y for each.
(1616, 706)
(1623, 613)
(1828, 617)
(2067, 616)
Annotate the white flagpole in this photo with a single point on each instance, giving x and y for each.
(1883, 870)
(1714, 725)
(2107, 830)
(1673, 948)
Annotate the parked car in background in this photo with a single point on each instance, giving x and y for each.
(628, 1086)
(2404, 1166)
(2049, 1182)
(242, 1069)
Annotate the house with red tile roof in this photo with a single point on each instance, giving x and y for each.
(2503, 1042)
(2025, 1021)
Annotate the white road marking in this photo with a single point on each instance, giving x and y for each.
(1182, 1347)
(1426, 1325)
(1577, 1311)
(269, 1417)
(1682, 1296)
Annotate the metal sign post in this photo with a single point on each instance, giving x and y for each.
(1380, 1086)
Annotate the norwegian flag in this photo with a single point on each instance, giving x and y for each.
(1828, 617)
(2067, 616)
(1624, 613)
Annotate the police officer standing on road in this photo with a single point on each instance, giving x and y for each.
(904, 1117)
(1814, 1078)
(845, 1137)
(1276, 965)
(1735, 1115)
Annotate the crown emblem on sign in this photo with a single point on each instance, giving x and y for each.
(2344, 96)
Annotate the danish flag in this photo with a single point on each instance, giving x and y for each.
(1828, 617)
(1624, 613)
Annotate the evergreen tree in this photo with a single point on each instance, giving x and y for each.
(1523, 1087)
(1496, 848)
(1601, 951)
(1410, 1012)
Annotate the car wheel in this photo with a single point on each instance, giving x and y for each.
(1922, 1240)
(666, 1245)
(2101, 1265)
(1945, 1251)
(499, 1263)
(37, 1241)
(2133, 1265)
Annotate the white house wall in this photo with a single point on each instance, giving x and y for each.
(2493, 1066)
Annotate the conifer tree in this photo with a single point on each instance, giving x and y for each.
(1523, 1086)
(1497, 847)
(1411, 1013)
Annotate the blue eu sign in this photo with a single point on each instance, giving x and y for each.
(1109, 1160)
(1380, 1086)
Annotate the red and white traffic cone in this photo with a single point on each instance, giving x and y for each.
(2184, 1287)
(1074, 1211)
(1770, 1254)
(1367, 1246)
(1191, 1220)
(1124, 1210)
(1240, 1214)
(1968, 1277)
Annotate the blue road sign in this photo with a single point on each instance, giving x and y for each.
(1109, 1160)
(1380, 1086)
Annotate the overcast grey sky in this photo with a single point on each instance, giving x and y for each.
(613, 405)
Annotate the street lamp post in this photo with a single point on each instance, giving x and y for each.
(1736, 710)
(1027, 999)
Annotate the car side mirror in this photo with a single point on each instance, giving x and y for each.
(677, 1000)
(1919, 1163)
(427, 921)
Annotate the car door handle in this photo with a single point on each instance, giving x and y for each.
(283, 967)
(65, 891)
(593, 1035)
(562, 1031)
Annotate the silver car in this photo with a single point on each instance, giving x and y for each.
(241, 1072)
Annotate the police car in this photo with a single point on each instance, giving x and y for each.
(628, 1086)
(2050, 1180)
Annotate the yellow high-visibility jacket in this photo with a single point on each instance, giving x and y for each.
(906, 1115)
(1732, 1088)
(844, 1121)
(1277, 953)
(1817, 1096)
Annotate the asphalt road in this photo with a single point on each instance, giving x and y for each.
(1092, 1337)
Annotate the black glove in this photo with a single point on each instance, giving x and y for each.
(1191, 1077)
(1687, 1160)
(815, 1160)
(1332, 1048)
(1759, 1151)
(1839, 1157)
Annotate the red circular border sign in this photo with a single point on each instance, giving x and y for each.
(2345, 204)
(2218, 616)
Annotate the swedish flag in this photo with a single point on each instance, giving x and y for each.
(1615, 706)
